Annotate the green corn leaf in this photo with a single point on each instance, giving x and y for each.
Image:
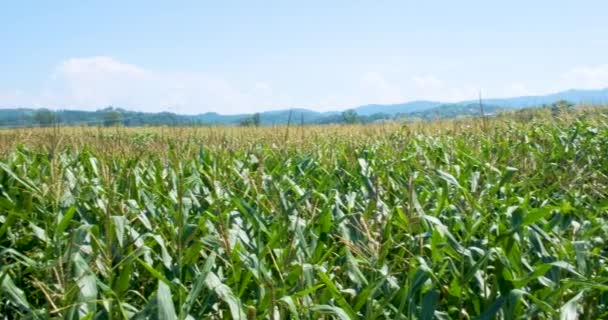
(166, 309)
(570, 310)
(13, 293)
(331, 310)
(225, 294)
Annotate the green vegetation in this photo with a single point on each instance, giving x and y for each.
(254, 120)
(463, 219)
(112, 118)
(426, 110)
(44, 117)
(350, 117)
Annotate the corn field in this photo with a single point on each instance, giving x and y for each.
(502, 218)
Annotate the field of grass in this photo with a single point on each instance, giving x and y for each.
(503, 218)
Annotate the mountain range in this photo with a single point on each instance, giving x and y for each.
(367, 113)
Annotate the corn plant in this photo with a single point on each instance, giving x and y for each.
(448, 220)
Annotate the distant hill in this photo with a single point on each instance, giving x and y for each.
(574, 96)
(454, 110)
(283, 116)
(392, 109)
(267, 117)
(18, 117)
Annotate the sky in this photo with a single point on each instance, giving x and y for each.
(244, 56)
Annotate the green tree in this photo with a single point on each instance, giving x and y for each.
(246, 122)
(112, 118)
(561, 106)
(44, 117)
(254, 120)
(350, 116)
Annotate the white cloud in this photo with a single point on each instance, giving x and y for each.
(12, 97)
(98, 65)
(378, 89)
(457, 94)
(586, 77)
(96, 82)
(517, 89)
(513, 89)
(427, 82)
(581, 77)
(430, 87)
(99, 81)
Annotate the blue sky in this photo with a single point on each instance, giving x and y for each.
(244, 56)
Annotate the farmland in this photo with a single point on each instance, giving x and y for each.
(455, 219)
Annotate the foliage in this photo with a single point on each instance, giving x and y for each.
(459, 219)
(112, 118)
(350, 116)
(44, 117)
(427, 110)
(561, 106)
(254, 120)
(449, 111)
